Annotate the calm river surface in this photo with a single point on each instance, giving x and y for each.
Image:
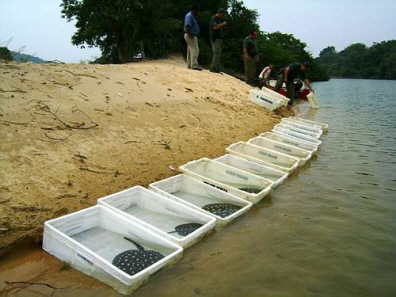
(328, 230)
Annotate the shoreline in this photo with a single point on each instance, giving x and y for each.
(75, 132)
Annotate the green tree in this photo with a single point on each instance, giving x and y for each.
(121, 28)
(5, 54)
(282, 49)
(359, 61)
(353, 60)
(113, 26)
(241, 21)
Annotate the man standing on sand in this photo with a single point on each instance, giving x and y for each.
(217, 23)
(288, 74)
(191, 33)
(250, 56)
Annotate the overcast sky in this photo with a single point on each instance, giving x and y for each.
(322, 23)
(36, 26)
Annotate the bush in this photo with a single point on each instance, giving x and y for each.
(5, 54)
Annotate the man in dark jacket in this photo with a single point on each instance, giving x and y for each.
(250, 56)
(288, 74)
(217, 23)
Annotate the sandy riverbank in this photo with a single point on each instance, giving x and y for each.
(72, 133)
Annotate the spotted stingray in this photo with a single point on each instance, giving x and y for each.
(221, 209)
(133, 261)
(185, 229)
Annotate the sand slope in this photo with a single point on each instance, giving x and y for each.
(73, 133)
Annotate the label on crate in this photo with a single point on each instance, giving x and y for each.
(238, 175)
(290, 142)
(266, 100)
(268, 155)
(282, 148)
(85, 260)
(73, 228)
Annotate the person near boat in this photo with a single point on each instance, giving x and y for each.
(265, 74)
(288, 74)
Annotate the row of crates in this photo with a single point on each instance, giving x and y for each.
(130, 235)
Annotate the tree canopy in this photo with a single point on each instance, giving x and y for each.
(122, 28)
(359, 61)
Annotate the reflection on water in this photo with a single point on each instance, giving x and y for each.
(328, 230)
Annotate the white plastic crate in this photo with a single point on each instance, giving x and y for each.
(309, 128)
(277, 176)
(302, 155)
(296, 135)
(272, 93)
(298, 130)
(313, 101)
(229, 179)
(159, 214)
(258, 97)
(196, 194)
(264, 156)
(325, 126)
(91, 238)
(291, 141)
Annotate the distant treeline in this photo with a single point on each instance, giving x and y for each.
(360, 61)
(124, 28)
(7, 55)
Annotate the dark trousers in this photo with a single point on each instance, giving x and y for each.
(291, 93)
(217, 48)
(250, 69)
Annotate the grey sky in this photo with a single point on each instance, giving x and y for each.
(37, 25)
(322, 23)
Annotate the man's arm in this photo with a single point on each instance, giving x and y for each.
(245, 53)
(286, 76)
(266, 69)
(218, 26)
(308, 84)
(188, 31)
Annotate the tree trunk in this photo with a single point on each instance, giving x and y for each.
(141, 44)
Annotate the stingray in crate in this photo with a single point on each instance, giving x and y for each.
(221, 209)
(133, 261)
(185, 229)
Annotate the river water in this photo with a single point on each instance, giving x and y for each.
(328, 230)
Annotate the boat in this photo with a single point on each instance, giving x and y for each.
(302, 90)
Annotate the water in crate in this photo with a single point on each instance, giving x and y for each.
(174, 225)
(124, 253)
(135, 260)
(244, 187)
(211, 204)
(221, 209)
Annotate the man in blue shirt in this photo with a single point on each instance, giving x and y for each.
(191, 33)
